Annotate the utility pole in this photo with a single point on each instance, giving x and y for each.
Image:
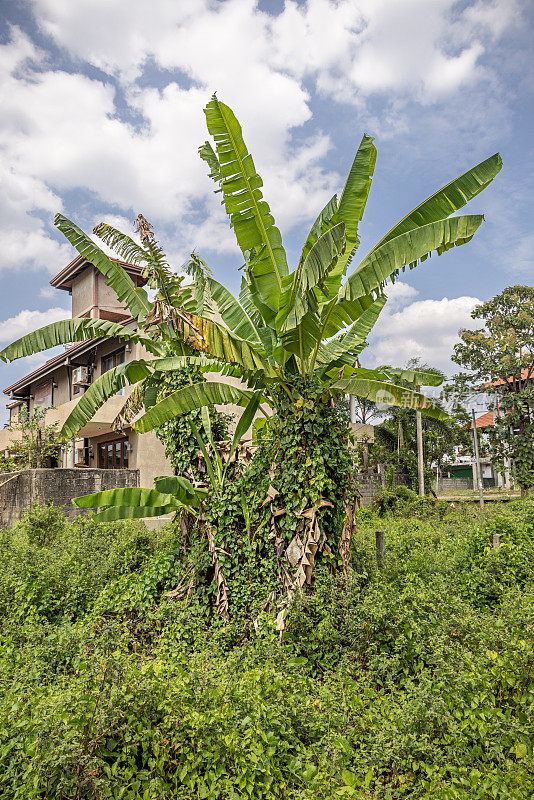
(420, 464)
(477, 460)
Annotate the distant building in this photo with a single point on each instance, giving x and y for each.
(59, 383)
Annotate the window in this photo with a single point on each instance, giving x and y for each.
(113, 455)
(42, 395)
(112, 361)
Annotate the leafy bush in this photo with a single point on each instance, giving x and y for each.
(401, 500)
(414, 681)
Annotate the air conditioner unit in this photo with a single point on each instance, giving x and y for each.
(80, 376)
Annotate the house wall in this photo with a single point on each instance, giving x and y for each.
(90, 293)
(148, 456)
(82, 293)
(107, 299)
(62, 378)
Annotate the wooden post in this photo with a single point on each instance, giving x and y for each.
(420, 460)
(477, 459)
(496, 541)
(380, 549)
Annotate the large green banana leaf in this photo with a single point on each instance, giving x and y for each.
(177, 485)
(350, 210)
(448, 199)
(338, 350)
(136, 299)
(326, 218)
(245, 298)
(389, 394)
(415, 377)
(297, 296)
(67, 331)
(135, 512)
(202, 363)
(223, 344)
(188, 398)
(352, 204)
(385, 261)
(335, 317)
(131, 497)
(409, 248)
(99, 391)
(234, 315)
(250, 216)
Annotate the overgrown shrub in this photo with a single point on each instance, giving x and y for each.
(402, 500)
(409, 682)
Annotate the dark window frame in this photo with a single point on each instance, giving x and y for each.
(113, 454)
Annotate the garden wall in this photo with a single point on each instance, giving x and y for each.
(370, 486)
(19, 491)
(454, 484)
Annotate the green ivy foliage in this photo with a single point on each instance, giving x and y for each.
(304, 456)
(181, 446)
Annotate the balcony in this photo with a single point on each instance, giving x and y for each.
(101, 422)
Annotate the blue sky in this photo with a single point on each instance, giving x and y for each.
(102, 116)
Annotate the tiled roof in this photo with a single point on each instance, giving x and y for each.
(484, 421)
(63, 280)
(525, 373)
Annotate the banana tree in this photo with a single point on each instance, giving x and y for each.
(307, 322)
(308, 327)
(310, 322)
(293, 337)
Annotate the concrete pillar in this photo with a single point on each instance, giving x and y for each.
(352, 406)
(71, 454)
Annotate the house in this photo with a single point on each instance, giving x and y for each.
(59, 383)
(461, 474)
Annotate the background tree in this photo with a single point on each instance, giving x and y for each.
(499, 358)
(396, 436)
(38, 445)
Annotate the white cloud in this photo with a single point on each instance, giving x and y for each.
(62, 130)
(25, 240)
(425, 329)
(26, 321)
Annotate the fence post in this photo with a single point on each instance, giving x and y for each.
(496, 541)
(380, 548)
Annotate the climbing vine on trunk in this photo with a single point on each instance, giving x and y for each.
(286, 507)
